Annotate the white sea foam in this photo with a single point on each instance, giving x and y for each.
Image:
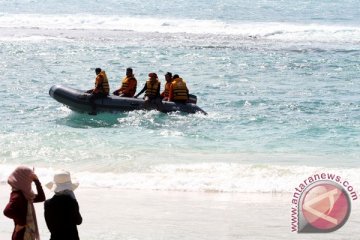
(216, 177)
(257, 30)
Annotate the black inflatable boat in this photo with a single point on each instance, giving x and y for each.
(77, 100)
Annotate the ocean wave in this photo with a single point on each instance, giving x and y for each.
(203, 177)
(276, 31)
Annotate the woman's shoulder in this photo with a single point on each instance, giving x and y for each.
(17, 195)
(60, 201)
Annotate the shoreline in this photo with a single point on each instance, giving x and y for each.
(136, 214)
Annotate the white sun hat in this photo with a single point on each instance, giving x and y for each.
(62, 181)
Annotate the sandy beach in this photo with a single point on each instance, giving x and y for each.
(132, 214)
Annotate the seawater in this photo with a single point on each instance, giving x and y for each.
(280, 82)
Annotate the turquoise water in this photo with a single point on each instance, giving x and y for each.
(280, 83)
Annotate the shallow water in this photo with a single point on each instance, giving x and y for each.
(281, 88)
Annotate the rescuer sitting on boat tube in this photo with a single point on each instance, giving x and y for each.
(151, 88)
(101, 89)
(128, 85)
(178, 91)
(165, 93)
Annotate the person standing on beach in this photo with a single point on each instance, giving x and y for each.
(101, 89)
(20, 207)
(128, 85)
(165, 93)
(62, 213)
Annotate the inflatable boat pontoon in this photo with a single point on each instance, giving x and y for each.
(77, 100)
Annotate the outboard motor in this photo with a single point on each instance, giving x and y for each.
(192, 99)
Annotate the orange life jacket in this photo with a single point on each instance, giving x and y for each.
(128, 86)
(152, 88)
(180, 91)
(102, 83)
(165, 93)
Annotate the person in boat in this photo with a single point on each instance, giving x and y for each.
(178, 91)
(165, 93)
(128, 85)
(151, 88)
(101, 89)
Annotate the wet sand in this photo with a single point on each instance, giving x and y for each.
(132, 214)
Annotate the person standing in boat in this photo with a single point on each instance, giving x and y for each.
(128, 85)
(151, 88)
(178, 91)
(101, 89)
(165, 93)
(20, 207)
